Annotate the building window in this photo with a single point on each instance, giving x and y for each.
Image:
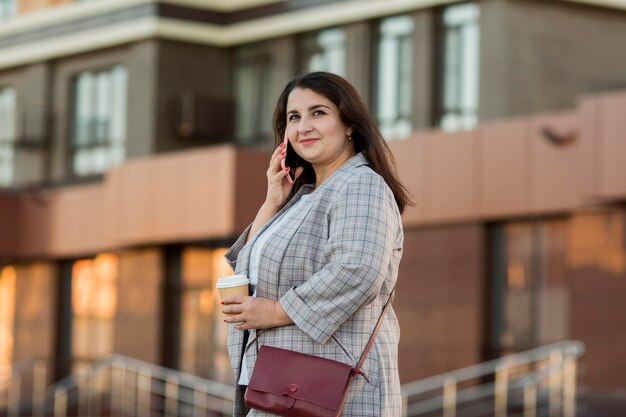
(203, 333)
(99, 121)
(94, 303)
(7, 312)
(394, 77)
(254, 100)
(8, 134)
(458, 103)
(8, 8)
(325, 51)
(531, 291)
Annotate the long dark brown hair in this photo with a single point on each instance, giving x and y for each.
(353, 113)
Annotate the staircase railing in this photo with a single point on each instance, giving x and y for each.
(113, 386)
(25, 388)
(122, 386)
(539, 382)
(534, 383)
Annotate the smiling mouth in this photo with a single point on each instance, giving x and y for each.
(308, 140)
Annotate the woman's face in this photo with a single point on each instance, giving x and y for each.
(315, 129)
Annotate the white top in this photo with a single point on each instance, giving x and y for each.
(255, 255)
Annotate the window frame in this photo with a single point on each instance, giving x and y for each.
(258, 130)
(440, 67)
(9, 142)
(377, 76)
(8, 9)
(309, 46)
(107, 145)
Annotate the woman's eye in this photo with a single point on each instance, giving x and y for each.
(292, 117)
(318, 113)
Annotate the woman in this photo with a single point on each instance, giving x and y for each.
(322, 253)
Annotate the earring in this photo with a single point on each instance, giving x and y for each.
(349, 137)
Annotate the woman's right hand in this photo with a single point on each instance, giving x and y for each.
(278, 189)
(278, 186)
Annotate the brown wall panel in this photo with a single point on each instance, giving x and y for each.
(503, 168)
(411, 159)
(553, 167)
(9, 225)
(251, 187)
(77, 221)
(35, 226)
(588, 174)
(451, 169)
(613, 159)
(177, 196)
(439, 300)
(137, 202)
(181, 196)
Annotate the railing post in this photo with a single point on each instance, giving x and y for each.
(80, 398)
(501, 390)
(39, 389)
(555, 382)
(118, 377)
(144, 400)
(130, 398)
(405, 405)
(199, 401)
(15, 391)
(95, 394)
(530, 400)
(449, 397)
(569, 386)
(171, 396)
(60, 402)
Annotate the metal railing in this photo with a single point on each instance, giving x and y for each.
(535, 383)
(25, 389)
(539, 382)
(114, 386)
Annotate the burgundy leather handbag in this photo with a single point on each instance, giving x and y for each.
(293, 384)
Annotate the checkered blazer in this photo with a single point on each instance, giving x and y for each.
(332, 268)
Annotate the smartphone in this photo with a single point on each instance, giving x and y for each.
(291, 161)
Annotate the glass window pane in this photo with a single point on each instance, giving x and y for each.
(94, 304)
(83, 108)
(460, 66)
(325, 51)
(102, 113)
(394, 77)
(7, 311)
(254, 103)
(203, 333)
(99, 120)
(117, 131)
(8, 8)
(8, 134)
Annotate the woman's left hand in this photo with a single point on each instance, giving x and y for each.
(254, 312)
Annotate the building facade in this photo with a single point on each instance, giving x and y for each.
(133, 135)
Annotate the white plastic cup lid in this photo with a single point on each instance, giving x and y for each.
(232, 281)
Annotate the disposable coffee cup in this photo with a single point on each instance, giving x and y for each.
(232, 285)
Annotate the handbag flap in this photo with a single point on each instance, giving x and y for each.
(304, 377)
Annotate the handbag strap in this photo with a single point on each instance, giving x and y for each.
(370, 342)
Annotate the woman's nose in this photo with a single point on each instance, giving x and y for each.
(304, 126)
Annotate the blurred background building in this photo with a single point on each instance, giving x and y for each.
(134, 136)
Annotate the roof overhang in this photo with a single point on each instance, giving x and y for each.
(74, 28)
